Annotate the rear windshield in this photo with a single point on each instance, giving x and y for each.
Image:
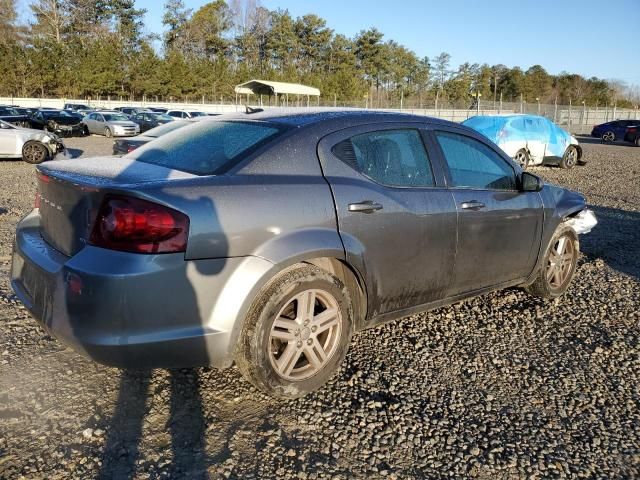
(205, 147)
(114, 117)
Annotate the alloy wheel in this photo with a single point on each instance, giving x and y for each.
(521, 159)
(608, 136)
(560, 262)
(572, 157)
(305, 335)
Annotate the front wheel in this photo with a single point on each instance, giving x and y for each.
(522, 158)
(608, 136)
(570, 157)
(559, 265)
(34, 152)
(296, 333)
(107, 132)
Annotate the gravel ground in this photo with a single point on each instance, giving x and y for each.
(501, 386)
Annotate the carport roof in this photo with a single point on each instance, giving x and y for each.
(267, 87)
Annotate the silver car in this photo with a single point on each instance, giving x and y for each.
(269, 238)
(110, 124)
(33, 146)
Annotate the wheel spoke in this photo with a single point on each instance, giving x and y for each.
(306, 304)
(315, 355)
(326, 320)
(550, 272)
(561, 245)
(557, 276)
(288, 359)
(284, 335)
(287, 324)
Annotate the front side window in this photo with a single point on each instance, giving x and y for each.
(472, 164)
(390, 157)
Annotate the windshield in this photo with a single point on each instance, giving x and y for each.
(161, 116)
(54, 113)
(198, 114)
(114, 117)
(203, 148)
(8, 111)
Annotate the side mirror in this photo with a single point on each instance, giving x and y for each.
(530, 183)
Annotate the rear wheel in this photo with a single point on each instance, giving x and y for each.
(608, 136)
(637, 142)
(34, 152)
(85, 131)
(559, 264)
(570, 157)
(107, 132)
(296, 333)
(522, 158)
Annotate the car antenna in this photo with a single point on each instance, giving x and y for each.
(252, 109)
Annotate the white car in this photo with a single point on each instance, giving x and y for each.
(33, 146)
(185, 114)
(110, 124)
(529, 139)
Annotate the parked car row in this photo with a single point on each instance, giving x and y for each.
(618, 130)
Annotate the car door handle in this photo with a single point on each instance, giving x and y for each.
(472, 205)
(366, 206)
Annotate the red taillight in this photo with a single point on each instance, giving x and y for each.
(631, 130)
(134, 225)
(131, 148)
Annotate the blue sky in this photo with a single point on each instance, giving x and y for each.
(589, 37)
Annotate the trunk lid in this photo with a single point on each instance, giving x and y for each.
(71, 192)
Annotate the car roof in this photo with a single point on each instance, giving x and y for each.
(300, 117)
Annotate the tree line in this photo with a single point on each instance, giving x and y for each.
(98, 48)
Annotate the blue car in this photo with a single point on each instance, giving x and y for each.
(529, 139)
(612, 131)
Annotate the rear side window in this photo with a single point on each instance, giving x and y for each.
(205, 147)
(390, 157)
(474, 165)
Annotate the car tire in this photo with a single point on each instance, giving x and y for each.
(522, 158)
(302, 352)
(34, 152)
(608, 136)
(108, 133)
(570, 157)
(637, 142)
(553, 279)
(85, 131)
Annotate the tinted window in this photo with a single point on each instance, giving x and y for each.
(390, 157)
(204, 148)
(166, 128)
(474, 165)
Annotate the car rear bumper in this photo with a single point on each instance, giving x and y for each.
(131, 310)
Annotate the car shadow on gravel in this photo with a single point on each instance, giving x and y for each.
(615, 239)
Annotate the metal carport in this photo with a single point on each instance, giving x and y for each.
(270, 88)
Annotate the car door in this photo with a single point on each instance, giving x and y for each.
(499, 227)
(8, 141)
(536, 139)
(395, 216)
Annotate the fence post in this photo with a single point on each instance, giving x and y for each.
(569, 112)
(521, 105)
(500, 107)
(555, 109)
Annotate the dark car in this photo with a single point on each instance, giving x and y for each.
(149, 120)
(158, 109)
(58, 122)
(13, 116)
(129, 111)
(632, 135)
(612, 131)
(122, 146)
(75, 106)
(267, 239)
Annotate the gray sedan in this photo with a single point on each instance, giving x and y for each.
(110, 124)
(268, 238)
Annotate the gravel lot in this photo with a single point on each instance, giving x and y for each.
(502, 386)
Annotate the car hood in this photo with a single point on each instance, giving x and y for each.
(63, 120)
(32, 134)
(123, 123)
